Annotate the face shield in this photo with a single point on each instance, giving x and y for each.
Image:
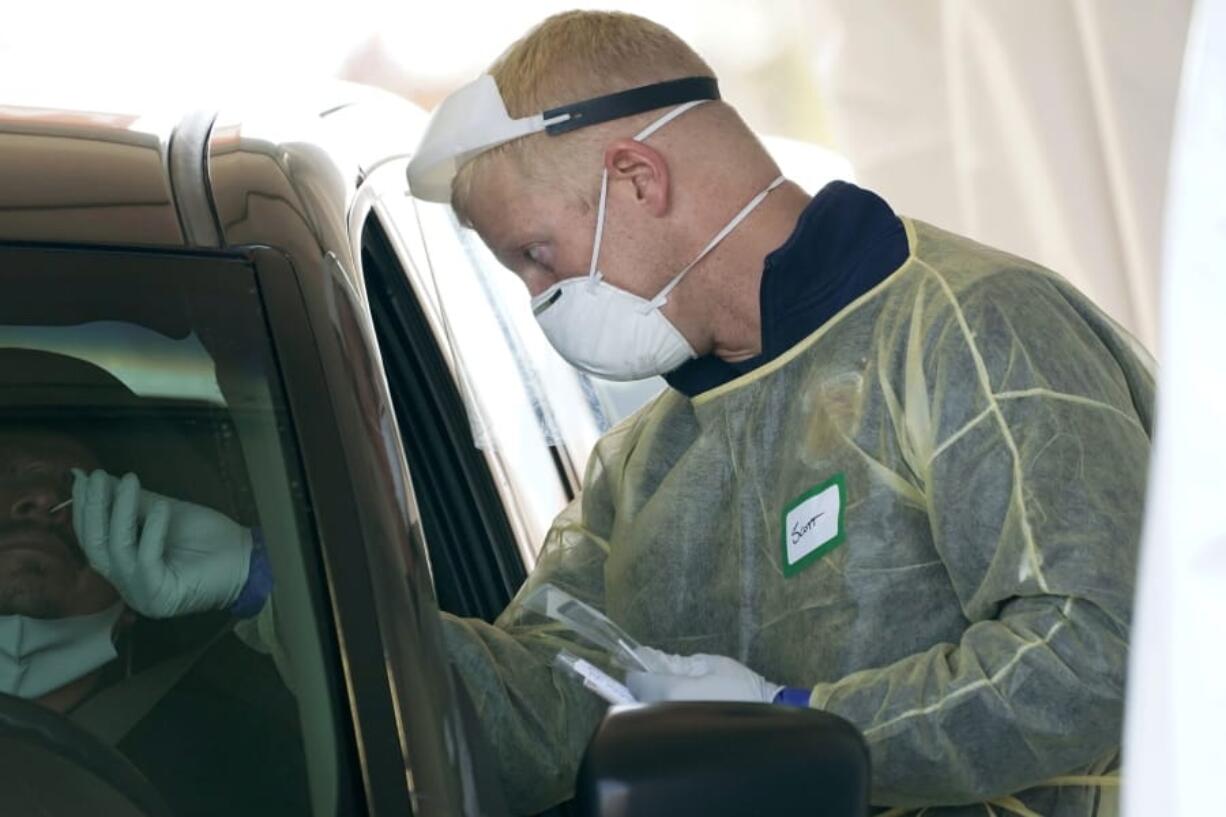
(470, 121)
(474, 119)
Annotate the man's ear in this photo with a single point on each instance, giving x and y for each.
(645, 168)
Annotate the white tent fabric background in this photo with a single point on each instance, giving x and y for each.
(1042, 128)
(1177, 682)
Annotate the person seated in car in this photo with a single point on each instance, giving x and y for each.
(64, 624)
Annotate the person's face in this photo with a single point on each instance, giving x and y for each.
(43, 571)
(544, 235)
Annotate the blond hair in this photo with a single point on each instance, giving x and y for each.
(569, 57)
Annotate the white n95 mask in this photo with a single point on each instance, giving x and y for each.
(39, 655)
(609, 332)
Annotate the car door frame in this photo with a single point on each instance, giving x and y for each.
(286, 204)
(406, 718)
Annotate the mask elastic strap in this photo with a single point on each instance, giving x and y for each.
(666, 118)
(662, 298)
(592, 274)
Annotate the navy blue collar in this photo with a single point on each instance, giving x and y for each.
(847, 241)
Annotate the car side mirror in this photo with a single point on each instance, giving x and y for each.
(715, 759)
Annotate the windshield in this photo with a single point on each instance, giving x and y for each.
(159, 367)
(509, 361)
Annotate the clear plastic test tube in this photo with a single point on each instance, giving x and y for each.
(595, 679)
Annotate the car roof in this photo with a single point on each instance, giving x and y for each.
(116, 171)
(276, 166)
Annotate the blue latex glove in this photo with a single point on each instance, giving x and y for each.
(164, 557)
(698, 678)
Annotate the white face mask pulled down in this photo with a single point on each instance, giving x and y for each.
(39, 655)
(609, 332)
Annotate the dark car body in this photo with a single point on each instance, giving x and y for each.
(277, 191)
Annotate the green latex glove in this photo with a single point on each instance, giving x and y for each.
(164, 557)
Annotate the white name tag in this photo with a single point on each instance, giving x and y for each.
(813, 525)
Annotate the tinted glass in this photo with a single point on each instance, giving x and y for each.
(161, 366)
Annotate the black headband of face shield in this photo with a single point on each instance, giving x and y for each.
(628, 103)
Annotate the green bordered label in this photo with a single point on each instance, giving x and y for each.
(813, 525)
